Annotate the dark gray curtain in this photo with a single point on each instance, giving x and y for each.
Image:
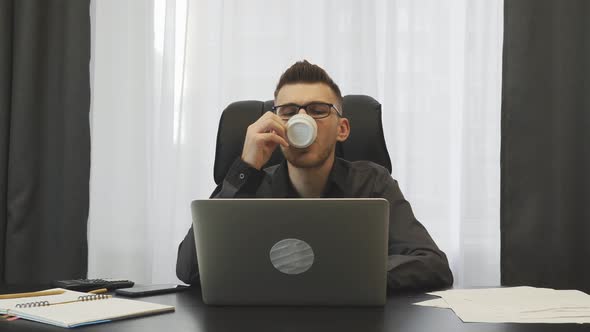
(44, 139)
(545, 209)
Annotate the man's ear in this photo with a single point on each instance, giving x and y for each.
(343, 129)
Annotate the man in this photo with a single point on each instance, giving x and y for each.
(414, 259)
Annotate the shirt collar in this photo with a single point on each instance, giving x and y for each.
(335, 187)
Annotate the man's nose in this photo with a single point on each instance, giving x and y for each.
(301, 109)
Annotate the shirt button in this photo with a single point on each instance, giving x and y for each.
(242, 176)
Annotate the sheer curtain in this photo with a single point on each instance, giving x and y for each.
(163, 71)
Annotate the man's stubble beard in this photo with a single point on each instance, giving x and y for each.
(314, 163)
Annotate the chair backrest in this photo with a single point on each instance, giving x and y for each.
(366, 140)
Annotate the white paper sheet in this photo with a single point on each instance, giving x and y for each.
(515, 304)
(436, 303)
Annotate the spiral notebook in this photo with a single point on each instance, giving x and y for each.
(73, 309)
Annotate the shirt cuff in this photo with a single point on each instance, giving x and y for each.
(241, 173)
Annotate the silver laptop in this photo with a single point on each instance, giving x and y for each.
(292, 251)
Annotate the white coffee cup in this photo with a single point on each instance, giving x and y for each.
(302, 130)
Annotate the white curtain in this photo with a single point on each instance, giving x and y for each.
(163, 71)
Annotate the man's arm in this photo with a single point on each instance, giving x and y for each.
(414, 262)
(241, 181)
(187, 269)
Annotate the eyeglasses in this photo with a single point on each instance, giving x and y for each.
(315, 110)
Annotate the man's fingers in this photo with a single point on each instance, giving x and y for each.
(274, 138)
(282, 129)
(269, 124)
(270, 115)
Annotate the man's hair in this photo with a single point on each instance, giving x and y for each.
(305, 72)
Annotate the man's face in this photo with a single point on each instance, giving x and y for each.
(331, 129)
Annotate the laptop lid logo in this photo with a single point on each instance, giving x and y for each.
(292, 256)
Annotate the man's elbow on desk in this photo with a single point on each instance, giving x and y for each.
(418, 272)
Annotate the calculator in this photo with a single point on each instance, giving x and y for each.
(85, 285)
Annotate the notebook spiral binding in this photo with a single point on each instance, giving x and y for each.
(93, 297)
(82, 298)
(33, 304)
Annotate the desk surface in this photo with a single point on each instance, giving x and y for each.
(192, 315)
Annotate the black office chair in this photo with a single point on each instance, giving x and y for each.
(366, 140)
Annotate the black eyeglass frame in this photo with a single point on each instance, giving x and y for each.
(275, 109)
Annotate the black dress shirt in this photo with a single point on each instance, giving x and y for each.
(414, 259)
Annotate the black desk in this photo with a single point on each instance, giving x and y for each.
(398, 315)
